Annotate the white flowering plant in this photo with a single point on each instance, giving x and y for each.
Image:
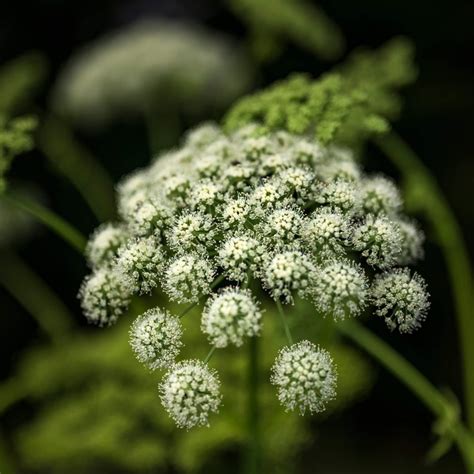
(274, 205)
(229, 217)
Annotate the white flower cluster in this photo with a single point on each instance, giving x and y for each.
(277, 213)
(190, 392)
(288, 272)
(104, 244)
(340, 289)
(401, 298)
(305, 376)
(140, 261)
(240, 255)
(104, 295)
(155, 337)
(166, 63)
(230, 316)
(188, 277)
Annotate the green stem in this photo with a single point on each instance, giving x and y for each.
(50, 219)
(35, 296)
(424, 195)
(69, 157)
(210, 354)
(415, 381)
(188, 309)
(253, 455)
(281, 312)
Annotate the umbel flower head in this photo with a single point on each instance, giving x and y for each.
(190, 393)
(104, 244)
(105, 295)
(305, 376)
(401, 298)
(140, 261)
(230, 316)
(155, 337)
(340, 288)
(226, 218)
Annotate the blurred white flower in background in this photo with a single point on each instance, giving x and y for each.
(152, 64)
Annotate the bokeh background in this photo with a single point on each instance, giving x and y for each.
(386, 430)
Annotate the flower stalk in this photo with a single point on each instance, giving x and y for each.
(423, 195)
(210, 354)
(253, 460)
(282, 314)
(437, 403)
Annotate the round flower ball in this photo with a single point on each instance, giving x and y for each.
(340, 289)
(190, 393)
(305, 376)
(287, 273)
(141, 261)
(401, 299)
(155, 338)
(104, 244)
(230, 316)
(104, 295)
(187, 278)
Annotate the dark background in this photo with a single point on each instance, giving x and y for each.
(390, 429)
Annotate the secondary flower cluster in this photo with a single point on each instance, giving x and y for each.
(152, 62)
(227, 216)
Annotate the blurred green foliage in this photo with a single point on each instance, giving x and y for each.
(99, 408)
(302, 22)
(20, 80)
(345, 106)
(15, 225)
(15, 138)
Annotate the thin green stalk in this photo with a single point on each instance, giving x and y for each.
(210, 354)
(281, 312)
(35, 296)
(81, 168)
(416, 382)
(50, 219)
(424, 195)
(188, 309)
(253, 462)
